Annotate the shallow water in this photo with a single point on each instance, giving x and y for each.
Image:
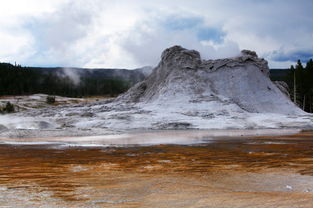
(238, 170)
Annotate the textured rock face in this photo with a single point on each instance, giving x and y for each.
(178, 56)
(182, 92)
(249, 53)
(2, 127)
(283, 86)
(183, 77)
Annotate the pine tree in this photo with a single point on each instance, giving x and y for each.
(293, 71)
(309, 84)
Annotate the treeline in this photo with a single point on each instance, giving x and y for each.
(18, 80)
(300, 82)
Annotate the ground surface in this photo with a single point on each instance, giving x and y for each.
(100, 116)
(24, 102)
(236, 171)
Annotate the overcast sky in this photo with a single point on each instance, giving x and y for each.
(133, 33)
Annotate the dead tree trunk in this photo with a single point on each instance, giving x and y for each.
(294, 88)
(303, 103)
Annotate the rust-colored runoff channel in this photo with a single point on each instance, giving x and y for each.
(236, 172)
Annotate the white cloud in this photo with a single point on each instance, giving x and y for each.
(130, 34)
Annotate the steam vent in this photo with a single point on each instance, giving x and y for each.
(182, 92)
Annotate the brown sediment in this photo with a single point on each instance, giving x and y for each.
(251, 172)
(304, 134)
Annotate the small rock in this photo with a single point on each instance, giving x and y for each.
(175, 125)
(3, 128)
(87, 114)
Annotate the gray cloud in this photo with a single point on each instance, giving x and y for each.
(282, 56)
(131, 34)
(57, 34)
(148, 39)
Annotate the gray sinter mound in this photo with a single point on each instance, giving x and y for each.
(183, 91)
(242, 80)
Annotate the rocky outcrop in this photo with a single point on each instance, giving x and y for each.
(239, 81)
(2, 128)
(283, 86)
(249, 53)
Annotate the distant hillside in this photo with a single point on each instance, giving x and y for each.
(72, 82)
(77, 82)
(130, 76)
